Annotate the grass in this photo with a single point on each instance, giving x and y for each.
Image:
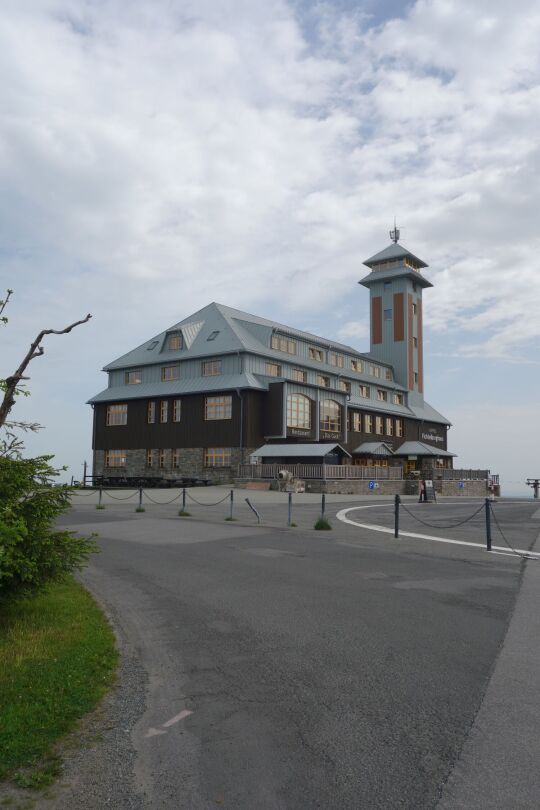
(230, 518)
(100, 506)
(322, 525)
(57, 659)
(140, 509)
(183, 513)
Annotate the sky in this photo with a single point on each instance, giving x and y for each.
(254, 153)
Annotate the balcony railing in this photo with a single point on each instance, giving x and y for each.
(327, 472)
(465, 475)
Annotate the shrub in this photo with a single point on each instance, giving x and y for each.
(32, 550)
(322, 524)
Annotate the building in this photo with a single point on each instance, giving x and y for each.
(222, 386)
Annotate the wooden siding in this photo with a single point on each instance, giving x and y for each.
(376, 319)
(399, 317)
(410, 342)
(420, 345)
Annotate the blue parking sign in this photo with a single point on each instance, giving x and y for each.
(371, 485)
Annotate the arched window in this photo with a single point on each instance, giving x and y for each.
(298, 411)
(331, 415)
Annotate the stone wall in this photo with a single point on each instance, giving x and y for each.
(356, 486)
(469, 489)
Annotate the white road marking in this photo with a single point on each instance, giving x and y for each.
(342, 515)
(152, 732)
(184, 713)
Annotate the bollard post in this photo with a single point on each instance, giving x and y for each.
(323, 506)
(289, 517)
(100, 505)
(231, 506)
(184, 499)
(140, 497)
(488, 525)
(397, 501)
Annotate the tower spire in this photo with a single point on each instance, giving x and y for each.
(394, 235)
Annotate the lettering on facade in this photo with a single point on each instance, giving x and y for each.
(432, 437)
(325, 434)
(298, 432)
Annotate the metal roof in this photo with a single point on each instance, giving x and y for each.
(421, 449)
(187, 386)
(393, 273)
(300, 450)
(373, 449)
(393, 251)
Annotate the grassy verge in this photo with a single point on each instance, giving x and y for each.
(57, 658)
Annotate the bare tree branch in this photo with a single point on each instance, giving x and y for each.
(35, 350)
(5, 302)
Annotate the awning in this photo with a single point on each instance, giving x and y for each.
(300, 450)
(373, 449)
(421, 449)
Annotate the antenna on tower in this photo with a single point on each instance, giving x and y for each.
(394, 235)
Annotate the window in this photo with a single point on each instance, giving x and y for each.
(176, 459)
(133, 377)
(164, 411)
(218, 408)
(387, 374)
(398, 399)
(357, 422)
(414, 309)
(414, 286)
(316, 354)
(151, 413)
(343, 385)
(299, 375)
(357, 365)
(365, 391)
(298, 411)
(213, 335)
(387, 314)
(378, 425)
(323, 381)
(336, 359)
(382, 396)
(389, 426)
(151, 346)
(149, 458)
(177, 410)
(115, 458)
(375, 371)
(415, 342)
(116, 415)
(387, 285)
(175, 342)
(399, 427)
(283, 344)
(162, 459)
(217, 457)
(211, 368)
(368, 423)
(273, 370)
(170, 373)
(415, 377)
(330, 415)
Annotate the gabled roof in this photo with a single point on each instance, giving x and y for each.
(420, 449)
(373, 449)
(393, 251)
(190, 385)
(297, 450)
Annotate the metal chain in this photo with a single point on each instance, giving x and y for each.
(440, 525)
(517, 553)
(84, 494)
(161, 503)
(208, 504)
(106, 492)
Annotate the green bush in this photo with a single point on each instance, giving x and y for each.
(32, 550)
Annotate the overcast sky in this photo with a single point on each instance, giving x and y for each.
(159, 155)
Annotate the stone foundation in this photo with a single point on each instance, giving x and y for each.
(407, 486)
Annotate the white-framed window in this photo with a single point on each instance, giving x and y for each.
(316, 354)
(175, 455)
(345, 386)
(164, 411)
(170, 373)
(365, 391)
(217, 457)
(357, 365)
(330, 411)
(398, 399)
(177, 410)
(379, 425)
(283, 344)
(387, 374)
(336, 359)
(218, 408)
(399, 427)
(133, 377)
(389, 426)
(357, 422)
(149, 458)
(117, 414)
(375, 371)
(382, 395)
(162, 459)
(368, 423)
(273, 370)
(175, 342)
(299, 375)
(323, 381)
(115, 458)
(298, 411)
(211, 368)
(151, 413)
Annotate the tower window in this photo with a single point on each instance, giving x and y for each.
(415, 377)
(387, 285)
(415, 342)
(387, 314)
(414, 309)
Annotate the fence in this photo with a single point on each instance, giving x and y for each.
(322, 471)
(466, 475)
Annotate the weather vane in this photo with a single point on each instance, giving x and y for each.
(394, 235)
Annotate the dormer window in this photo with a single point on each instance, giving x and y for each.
(336, 359)
(175, 342)
(283, 344)
(133, 377)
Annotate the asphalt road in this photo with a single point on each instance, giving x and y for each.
(291, 669)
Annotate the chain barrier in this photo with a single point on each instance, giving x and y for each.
(106, 492)
(84, 494)
(161, 503)
(440, 525)
(227, 496)
(515, 551)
